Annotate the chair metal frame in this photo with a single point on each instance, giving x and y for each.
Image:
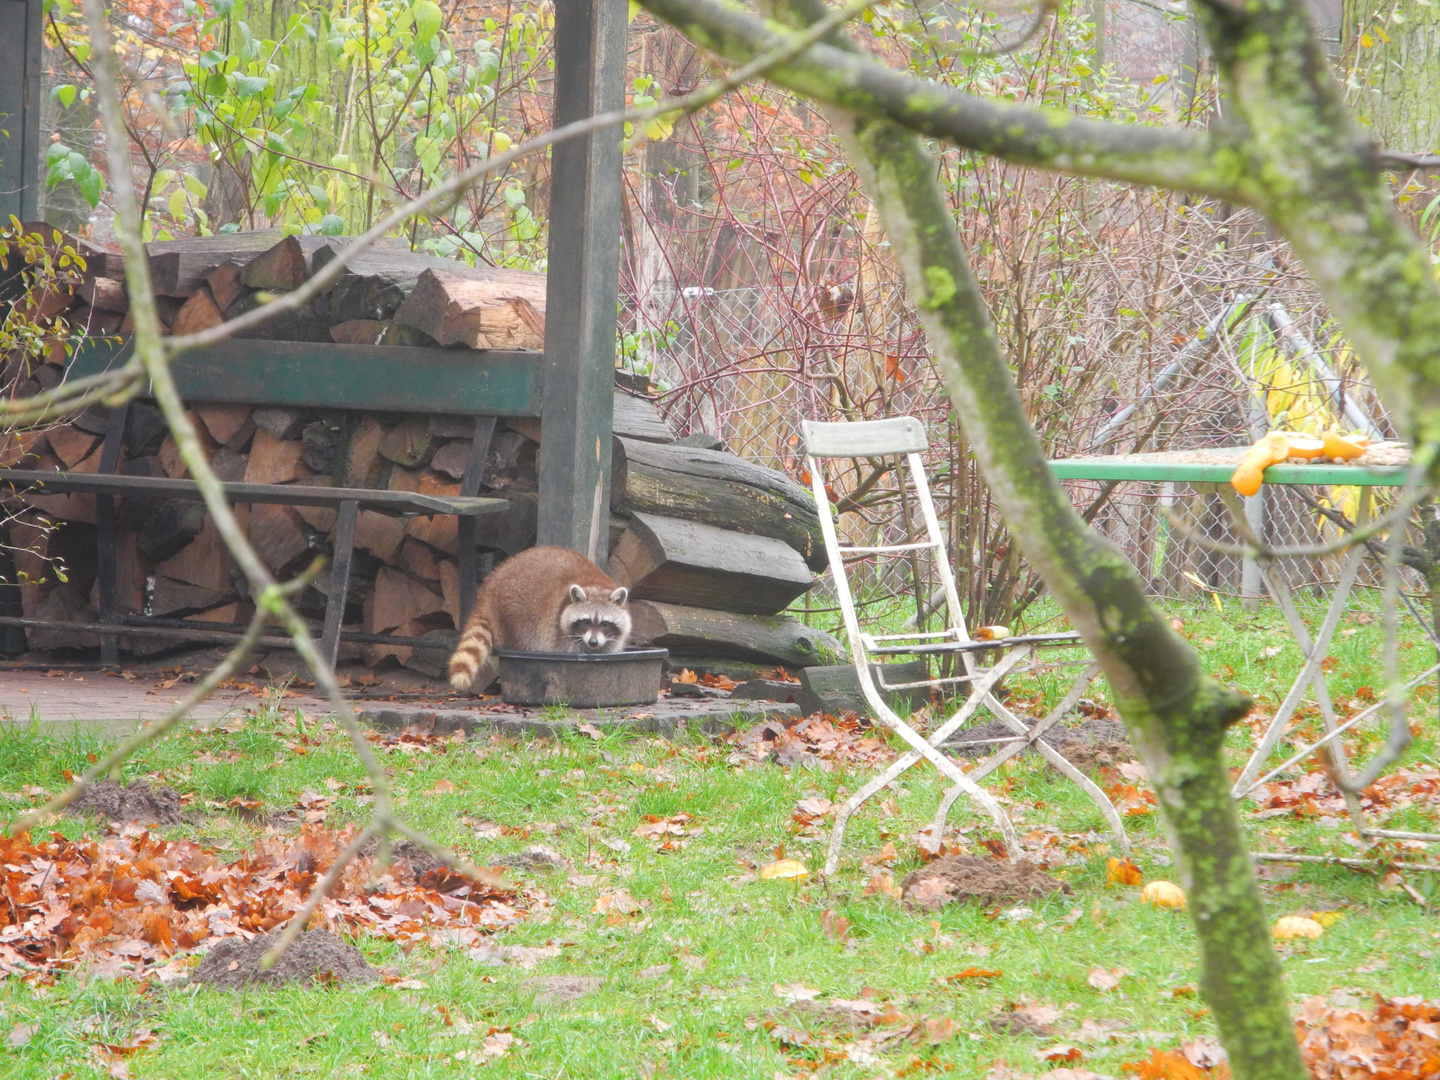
(904, 438)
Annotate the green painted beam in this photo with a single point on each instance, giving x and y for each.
(378, 377)
(1118, 468)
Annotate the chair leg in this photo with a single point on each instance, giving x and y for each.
(339, 581)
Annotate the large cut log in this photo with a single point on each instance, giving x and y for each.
(685, 562)
(505, 309)
(715, 488)
(224, 283)
(204, 562)
(776, 639)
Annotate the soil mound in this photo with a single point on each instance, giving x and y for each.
(959, 878)
(316, 956)
(1089, 745)
(136, 801)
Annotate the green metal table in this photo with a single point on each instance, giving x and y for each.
(1216, 466)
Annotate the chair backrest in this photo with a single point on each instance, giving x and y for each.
(902, 437)
(864, 438)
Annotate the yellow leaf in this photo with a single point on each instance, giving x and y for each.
(1367, 41)
(1293, 926)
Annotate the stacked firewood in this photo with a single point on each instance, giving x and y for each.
(386, 295)
(714, 547)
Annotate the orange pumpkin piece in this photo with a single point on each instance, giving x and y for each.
(1270, 450)
(1346, 448)
(1308, 447)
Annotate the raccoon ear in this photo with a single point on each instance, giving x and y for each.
(577, 594)
(620, 595)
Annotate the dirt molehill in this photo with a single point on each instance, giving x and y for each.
(316, 956)
(1089, 744)
(560, 989)
(136, 801)
(959, 878)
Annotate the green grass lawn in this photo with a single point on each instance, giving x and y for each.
(690, 980)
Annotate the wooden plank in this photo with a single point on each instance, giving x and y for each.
(774, 639)
(682, 562)
(716, 488)
(395, 502)
(582, 278)
(21, 56)
(453, 381)
(865, 438)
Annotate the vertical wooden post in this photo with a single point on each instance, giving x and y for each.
(20, 55)
(583, 281)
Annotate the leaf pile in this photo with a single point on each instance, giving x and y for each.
(838, 1030)
(1399, 1041)
(130, 902)
(816, 741)
(1314, 795)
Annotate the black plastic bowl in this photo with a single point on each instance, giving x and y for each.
(581, 680)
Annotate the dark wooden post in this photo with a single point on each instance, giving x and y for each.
(20, 56)
(583, 281)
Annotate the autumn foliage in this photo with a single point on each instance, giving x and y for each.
(129, 902)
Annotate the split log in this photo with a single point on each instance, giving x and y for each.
(169, 527)
(20, 449)
(225, 284)
(175, 599)
(380, 534)
(774, 639)
(399, 599)
(199, 313)
(684, 562)
(419, 560)
(145, 429)
(106, 294)
(71, 445)
(408, 444)
(94, 322)
(453, 458)
(378, 332)
(513, 530)
(274, 461)
(276, 536)
(302, 325)
(715, 488)
(204, 562)
(281, 423)
(283, 266)
(505, 309)
(229, 425)
(362, 458)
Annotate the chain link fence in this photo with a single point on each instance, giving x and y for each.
(746, 364)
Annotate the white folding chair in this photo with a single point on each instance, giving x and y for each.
(903, 438)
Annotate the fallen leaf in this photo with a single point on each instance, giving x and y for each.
(21, 1034)
(974, 973)
(1060, 1052)
(834, 925)
(587, 728)
(795, 992)
(784, 870)
(1105, 981)
(619, 902)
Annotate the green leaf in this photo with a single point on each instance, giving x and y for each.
(90, 186)
(428, 19)
(195, 186)
(216, 85)
(178, 205)
(66, 94)
(249, 85)
(332, 225)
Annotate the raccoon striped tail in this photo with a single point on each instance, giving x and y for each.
(470, 655)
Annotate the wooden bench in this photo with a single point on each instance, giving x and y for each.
(452, 382)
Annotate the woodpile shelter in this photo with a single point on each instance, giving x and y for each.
(416, 422)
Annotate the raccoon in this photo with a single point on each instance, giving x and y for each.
(546, 599)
